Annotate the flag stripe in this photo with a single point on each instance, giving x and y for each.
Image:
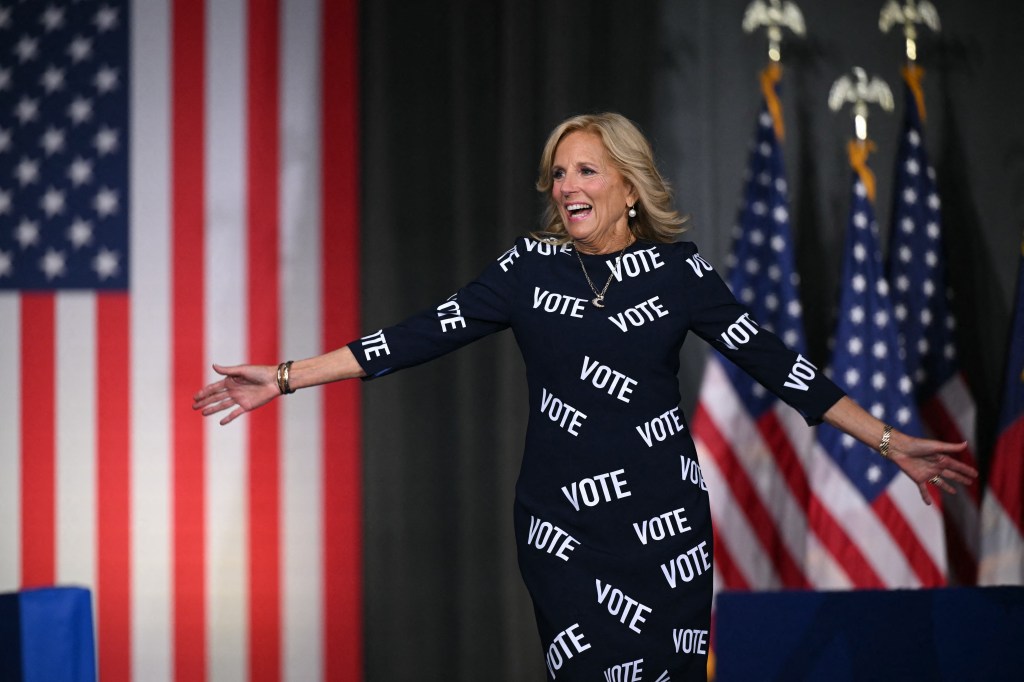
(187, 191)
(263, 170)
(10, 443)
(917, 555)
(38, 447)
(113, 475)
(342, 512)
(842, 548)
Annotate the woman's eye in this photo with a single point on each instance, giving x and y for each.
(557, 174)
(587, 171)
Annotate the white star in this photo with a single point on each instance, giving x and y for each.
(859, 253)
(913, 168)
(80, 49)
(80, 171)
(106, 202)
(879, 349)
(874, 473)
(851, 377)
(928, 287)
(931, 258)
(26, 110)
(758, 390)
(855, 345)
(933, 230)
(52, 141)
(52, 19)
(778, 244)
(881, 319)
(5, 79)
(53, 264)
(106, 263)
(906, 385)
(877, 410)
(106, 140)
(926, 317)
(106, 80)
(79, 233)
(903, 283)
(858, 283)
(758, 208)
(906, 254)
(860, 220)
(856, 314)
(757, 236)
(909, 196)
(765, 149)
(771, 301)
(5, 202)
(903, 415)
(900, 311)
(774, 273)
(52, 79)
(105, 19)
(878, 381)
(764, 179)
(780, 214)
(27, 49)
(765, 120)
(923, 346)
(794, 278)
(27, 171)
(907, 225)
(882, 287)
(794, 308)
(752, 266)
(52, 202)
(80, 110)
(858, 189)
(848, 441)
(747, 295)
(950, 323)
(5, 140)
(949, 351)
(933, 202)
(780, 185)
(26, 233)
(913, 138)
(6, 264)
(790, 337)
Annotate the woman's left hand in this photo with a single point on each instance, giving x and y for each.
(931, 462)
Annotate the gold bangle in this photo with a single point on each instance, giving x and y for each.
(283, 380)
(883, 447)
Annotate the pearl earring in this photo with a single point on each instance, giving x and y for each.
(632, 212)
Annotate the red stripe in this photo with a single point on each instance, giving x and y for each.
(264, 329)
(38, 440)
(725, 565)
(113, 476)
(1006, 479)
(785, 456)
(842, 547)
(908, 541)
(749, 501)
(943, 427)
(342, 465)
(188, 46)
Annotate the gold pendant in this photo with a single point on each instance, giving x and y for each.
(597, 302)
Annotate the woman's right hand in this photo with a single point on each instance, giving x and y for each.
(244, 388)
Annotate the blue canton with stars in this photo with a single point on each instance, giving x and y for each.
(64, 145)
(762, 271)
(917, 265)
(865, 359)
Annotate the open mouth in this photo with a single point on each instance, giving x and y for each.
(578, 211)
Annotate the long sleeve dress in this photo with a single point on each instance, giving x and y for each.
(612, 521)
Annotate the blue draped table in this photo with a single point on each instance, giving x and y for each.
(46, 635)
(952, 634)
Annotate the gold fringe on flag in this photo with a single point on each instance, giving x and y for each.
(913, 75)
(859, 151)
(770, 76)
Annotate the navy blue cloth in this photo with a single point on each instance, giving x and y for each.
(46, 635)
(611, 514)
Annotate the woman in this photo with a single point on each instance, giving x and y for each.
(614, 544)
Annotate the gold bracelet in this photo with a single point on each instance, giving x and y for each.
(283, 380)
(883, 447)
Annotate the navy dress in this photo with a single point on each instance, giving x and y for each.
(612, 521)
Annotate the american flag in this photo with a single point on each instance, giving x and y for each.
(178, 185)
(1002, 511)
(917, 272)
(874, 531)
(752, 446)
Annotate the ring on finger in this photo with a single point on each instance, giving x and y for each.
(935, 480)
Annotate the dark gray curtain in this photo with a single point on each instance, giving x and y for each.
(458, 98)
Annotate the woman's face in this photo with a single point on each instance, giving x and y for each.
(591, 195)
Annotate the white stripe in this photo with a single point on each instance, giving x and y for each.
(227, 583)
(301, 432)
(151, 474)
(925, 520)
(75, 451)
(10, 443)
(850, 511)
(959, 404)
(1002, 547)
(822, 569)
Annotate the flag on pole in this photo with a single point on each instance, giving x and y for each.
(178, 185)
(873, 529)
(750, 443)
(917, 273)
(1002, 511)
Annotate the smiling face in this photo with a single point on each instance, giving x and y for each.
(591, 195)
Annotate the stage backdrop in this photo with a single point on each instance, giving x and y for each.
(457, 101)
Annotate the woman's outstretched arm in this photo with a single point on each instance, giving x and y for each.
(246, 387)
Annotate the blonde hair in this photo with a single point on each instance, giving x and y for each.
(630, 153)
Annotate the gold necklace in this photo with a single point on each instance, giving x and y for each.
(598, 299)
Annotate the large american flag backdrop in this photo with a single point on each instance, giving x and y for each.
(178, 185)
